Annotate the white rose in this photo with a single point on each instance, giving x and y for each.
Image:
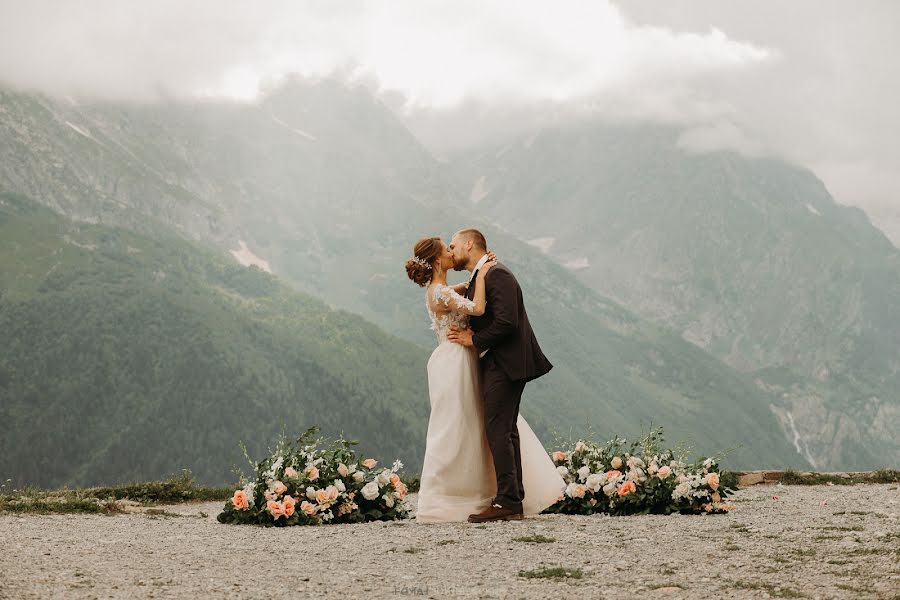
(383, 478)
(311, 493)
(583, 472)
(562, 470)
(610, 488)
(580, 446)
(370, 491)
(593, 481)
(388, 499)
(340, 485)
(358, 476)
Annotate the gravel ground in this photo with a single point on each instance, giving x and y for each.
(815, 542)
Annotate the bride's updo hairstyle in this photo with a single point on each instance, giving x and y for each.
(425, 252)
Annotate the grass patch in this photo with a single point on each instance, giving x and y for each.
(886, 476)
(792, 477)
(445, 542)
(535, 539)
(837, 561)
(412, 550)
(552, 573)
(773, 590)
(841, 528)
(102, 500)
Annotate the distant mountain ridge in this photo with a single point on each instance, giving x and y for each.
(751, 259)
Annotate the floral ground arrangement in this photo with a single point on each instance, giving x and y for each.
(641, 478)
(309, 482)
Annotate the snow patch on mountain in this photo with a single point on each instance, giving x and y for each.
(543, 244)
(246, 257)
(577, 263)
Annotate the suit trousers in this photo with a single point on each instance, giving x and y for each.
(501, 410)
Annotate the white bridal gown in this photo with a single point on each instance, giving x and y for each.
(458, 476)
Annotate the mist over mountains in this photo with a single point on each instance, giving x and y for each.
(728, 299)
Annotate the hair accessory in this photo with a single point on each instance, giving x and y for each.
(421, 262)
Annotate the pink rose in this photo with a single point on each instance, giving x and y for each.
(240, 500)
(559, 456)
(712, 480)
(664, 471)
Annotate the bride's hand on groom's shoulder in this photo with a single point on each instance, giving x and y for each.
(491, 256)
(486, 267)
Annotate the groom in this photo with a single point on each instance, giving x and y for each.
(510, 357)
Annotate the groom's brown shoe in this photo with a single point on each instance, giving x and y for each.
(496, 512)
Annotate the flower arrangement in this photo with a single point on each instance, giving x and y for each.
(638, 479)
(308, 482)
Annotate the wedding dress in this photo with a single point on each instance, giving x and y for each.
(458, 476)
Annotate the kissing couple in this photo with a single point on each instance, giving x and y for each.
(482, 461)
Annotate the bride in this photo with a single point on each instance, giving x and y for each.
(458, 476)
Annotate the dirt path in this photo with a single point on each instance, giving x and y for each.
(791, 547)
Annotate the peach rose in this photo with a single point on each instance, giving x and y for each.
(578, 491)
(291, 472)
(627, 488)
(288, 503)
(332, 492)
(712, 480)
(308, 507)
(593, 501)
(276, 509)
(402, 490)
(716, 497)
(559, 456)
(311, 472)
(395, 479)
(613, 473)
(664, 471)
(240, 500)
(342, 470)
(278, 487)
(321, 496)
(369, 463)
(616, 462)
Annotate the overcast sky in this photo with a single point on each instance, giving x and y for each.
(816, 81)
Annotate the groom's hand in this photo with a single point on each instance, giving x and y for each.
(463, 337)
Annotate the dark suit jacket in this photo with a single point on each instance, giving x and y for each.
(504, 328)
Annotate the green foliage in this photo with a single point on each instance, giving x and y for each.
(178, 488)
(553, 573)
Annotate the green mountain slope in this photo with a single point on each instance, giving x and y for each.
(128, 358)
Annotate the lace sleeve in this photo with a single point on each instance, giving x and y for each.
(446, 295)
